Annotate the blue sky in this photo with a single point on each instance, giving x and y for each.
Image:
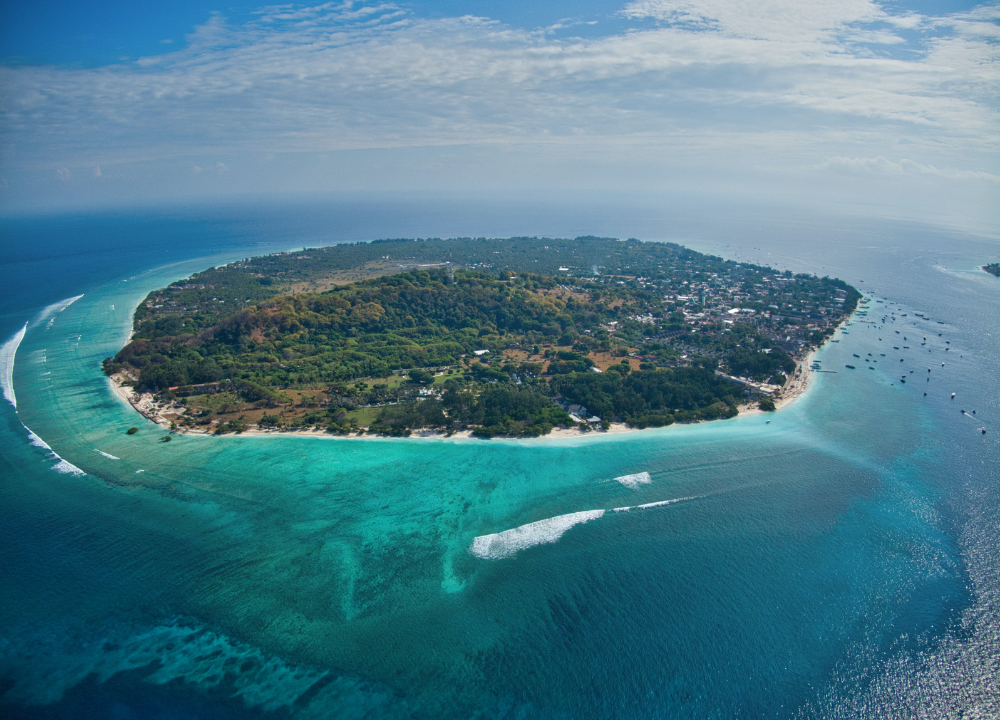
(887, 107)
(73, 33)
(68, 32)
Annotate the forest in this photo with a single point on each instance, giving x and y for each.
(474, 342)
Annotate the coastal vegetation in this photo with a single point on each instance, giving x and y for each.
(501, 337)
(992, 269)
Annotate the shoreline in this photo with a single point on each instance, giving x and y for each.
(793, 390)
(146, 406)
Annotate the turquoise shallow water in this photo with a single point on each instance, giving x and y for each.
(837, 561)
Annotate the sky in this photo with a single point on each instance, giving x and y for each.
(889, 108)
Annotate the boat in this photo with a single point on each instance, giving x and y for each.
(849, 366)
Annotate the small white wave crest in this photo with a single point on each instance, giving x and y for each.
(634, 481)
(659, 503)
(507, 543)
(109, 456)
(7, 353)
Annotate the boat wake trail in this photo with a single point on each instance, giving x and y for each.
(7, 352)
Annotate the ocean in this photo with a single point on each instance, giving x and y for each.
(837, 559)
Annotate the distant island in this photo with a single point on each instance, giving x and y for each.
(992, 269)
(491, 337)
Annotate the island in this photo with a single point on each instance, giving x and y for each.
(489, 337)
(992, 269)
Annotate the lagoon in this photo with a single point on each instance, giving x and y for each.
(836, 561)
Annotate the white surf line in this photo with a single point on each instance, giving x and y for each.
(67, 468)
(507, 543)
(8, 351)
(497, 546)
(660, 503)
(62, 466)
(109, 456)
(37, 441)
(634, 481)
(50, 311)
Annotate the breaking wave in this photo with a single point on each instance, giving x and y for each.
(36, 441)
(109, 456)
(507, 543)
(50, 311)
(659, 503)
(67, 468)
(7, 352)
(634, 481)
(61, 466)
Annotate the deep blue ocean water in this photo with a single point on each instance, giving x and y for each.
(842, 560)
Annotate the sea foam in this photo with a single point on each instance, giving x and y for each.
(37, 441)
(659, 503)
(7, 352)
(109, 456)
(67, 468)
(507, 543)
(634, 481)
(50, 311)
(9, 349)
(61, 466)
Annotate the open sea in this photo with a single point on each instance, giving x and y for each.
(837, 559)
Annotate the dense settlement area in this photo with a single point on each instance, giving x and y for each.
(503, 337)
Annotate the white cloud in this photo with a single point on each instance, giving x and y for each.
(698, 81)
(782, 20)
(63, 174)
(909, 21)
(882, 166)
(97, 172)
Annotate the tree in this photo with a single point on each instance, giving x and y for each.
(420, 376)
